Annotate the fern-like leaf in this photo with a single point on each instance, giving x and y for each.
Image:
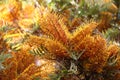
(111, 34)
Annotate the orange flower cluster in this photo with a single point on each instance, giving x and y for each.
(55, 37)
(105, 20)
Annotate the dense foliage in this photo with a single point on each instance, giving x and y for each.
(59, 40)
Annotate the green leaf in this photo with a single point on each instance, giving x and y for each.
(82, 3)
(111, 33)
(41, 51)
(73, 68)
(76, 55)
(3, 57)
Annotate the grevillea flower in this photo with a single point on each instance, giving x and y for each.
(52, 24)
(53, 46)
(10, 12)
(104, 23)
(95, 49)
(33, 70)
(56, 39)
(82, 32)
(113, 50)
